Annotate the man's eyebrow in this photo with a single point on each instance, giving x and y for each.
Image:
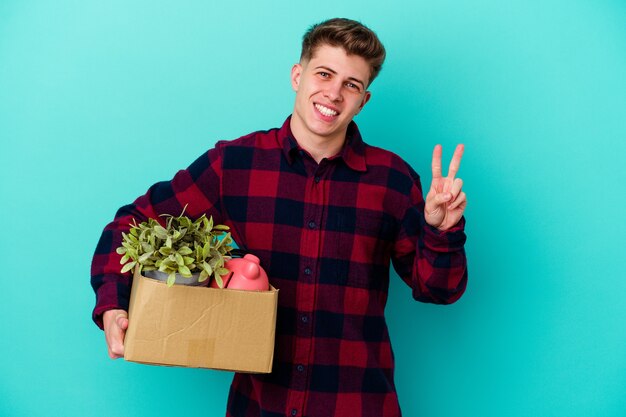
(335, 73)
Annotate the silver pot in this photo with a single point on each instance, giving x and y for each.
(180, 280)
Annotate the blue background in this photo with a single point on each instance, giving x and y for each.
(100, 99)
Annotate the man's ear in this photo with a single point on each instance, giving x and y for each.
(366, 98)
(296, 71)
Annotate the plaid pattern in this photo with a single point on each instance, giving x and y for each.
(326, 234)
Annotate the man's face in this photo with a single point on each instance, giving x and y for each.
(330, 91)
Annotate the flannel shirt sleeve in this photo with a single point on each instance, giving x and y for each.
(430, 261)
(198, 187)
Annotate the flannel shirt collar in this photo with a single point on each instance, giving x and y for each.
(352, 153)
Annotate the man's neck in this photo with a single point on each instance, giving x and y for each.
(319, 147)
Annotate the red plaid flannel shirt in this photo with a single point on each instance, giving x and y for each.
(326, 234)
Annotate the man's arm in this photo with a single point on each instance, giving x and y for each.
(430, 259)
(198, 187)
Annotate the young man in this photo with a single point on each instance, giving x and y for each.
(326, 214)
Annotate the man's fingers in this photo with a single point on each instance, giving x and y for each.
(114, 355)
(442, 198)
(115, 325)
(456, 161)
(122, 321)
(460, 200)
(436, 165)
(454, 164)
(457, 184)
(116, 342)
(452, 197)
(117, 348)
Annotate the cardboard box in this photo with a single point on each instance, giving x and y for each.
(201, 327)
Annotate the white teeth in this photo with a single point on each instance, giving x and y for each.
(325, 110)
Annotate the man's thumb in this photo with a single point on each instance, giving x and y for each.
(122, 321)
(442, 198)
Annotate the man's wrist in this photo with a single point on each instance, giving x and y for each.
(445, 240)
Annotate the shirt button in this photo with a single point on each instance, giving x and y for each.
(305, 319)
(300, 368)
(307, 271)
(294, 411)
(317, 179)
(311, 224)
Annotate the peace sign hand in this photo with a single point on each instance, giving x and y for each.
(445, 202)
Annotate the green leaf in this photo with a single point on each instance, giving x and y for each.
(143, 258)
(185, 250)
(128, 267)
(222, 271)
(203, 276)
(184, 271)
(171, 278)
(223, 241)
(179, 259)
(188, 260)
(165, 251)
(160, 232)
(221, 227)
(121, 250)
(220, 282)
(206, 267)
(124, 259)
(214, 262)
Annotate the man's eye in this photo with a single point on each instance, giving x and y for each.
(352, 86)
(324, 74)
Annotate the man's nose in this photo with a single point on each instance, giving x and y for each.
(333, 91)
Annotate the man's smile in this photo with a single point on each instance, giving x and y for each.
(326, 111)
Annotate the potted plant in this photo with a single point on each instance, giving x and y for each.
(185, 251)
